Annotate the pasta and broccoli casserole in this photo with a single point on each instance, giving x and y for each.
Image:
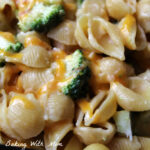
(75, 74)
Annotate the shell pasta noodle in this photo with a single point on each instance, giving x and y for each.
(75, 74)
(94, 30)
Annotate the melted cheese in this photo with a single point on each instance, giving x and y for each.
(25, 6)
(21, 98)
(8, 36)
(128, 23)
(70, 6)
(10, 55)
(58, 54)
(85, 107)
(33, 40)
(52, 86)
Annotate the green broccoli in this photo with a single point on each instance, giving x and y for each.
(77, 75)
(42, 17)
(9, 46)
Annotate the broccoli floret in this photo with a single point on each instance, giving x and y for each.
(77, 75)
(9, 46)
(42, 17)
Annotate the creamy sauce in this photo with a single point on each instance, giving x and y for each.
(52, 86)
(85, 106)
(8, 36)
(33, 40)
(10, 55)
(128, 23)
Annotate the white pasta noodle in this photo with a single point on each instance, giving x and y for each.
(145, 75)
(22, 35)
(4, 124)
(102, 134)
(58, 101)
(74, 74)
(32, 56)
(37, 77)
(74, 144)
(141, 41)
(64, 33)
(55, 134)
(120, 8)
(97, 34)
(106, 108)
(143, 13)
(134, 98)
(128, 29)
(122, 143)
(21, 108)
(81, 32)
(94, 7)
(108, 69)
(145, 143)
(35, 56)
(96, 146)
(79, 117)
(2, 77)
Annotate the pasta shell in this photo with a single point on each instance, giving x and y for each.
(99, 35)
(143, 13)
(74, 144)
(35, 56)
(131, 100)
(145, 75)
(128, 30)
(2, 77)
(55, 134)
(145, 143)
(110, 69)
(99, 8)
(25, 115)
(22, 35)
(4, 123)
(140, 86)
(105, 38)
(37, 77)
(141, 41)
(58, 101)
(64, 33)
(122, 143)
(120, 8)
(96, 146)
(32, 56)
(21, 117)
(103, 106)
(90, 135)
(81, 32)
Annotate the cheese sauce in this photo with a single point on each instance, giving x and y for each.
(21, 98)
(8, 36)
(33, 40)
